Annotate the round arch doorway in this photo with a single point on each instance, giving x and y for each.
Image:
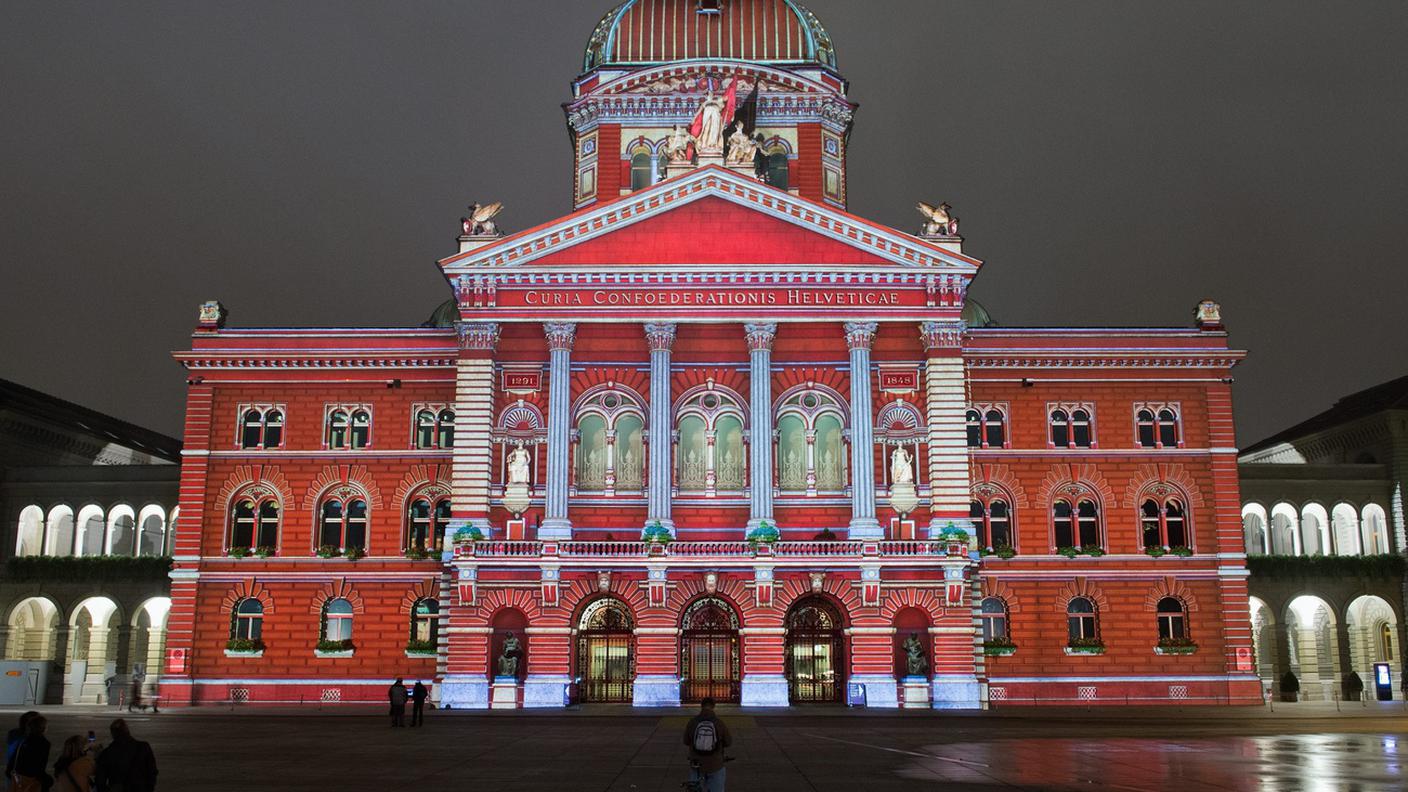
(606, 664)
(815, 656)
(709, 663)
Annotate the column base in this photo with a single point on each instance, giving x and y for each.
(555, 528)
(463, 692)
(656, 690)
(957, 691)
(865, 528)
(881, 692)
(544, 691)
(759, 690)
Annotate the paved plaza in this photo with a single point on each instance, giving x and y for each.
(1302, 747)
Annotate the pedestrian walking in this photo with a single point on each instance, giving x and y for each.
(707, 737)
(397, 694)
(13, 740)
(419, 694)
(134, 697)
(73, 770)
(128, 765)
(32, 757)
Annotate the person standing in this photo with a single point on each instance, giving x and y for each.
(32, 757)
(707, 737)
(13, 740)
(73, 770)
(128, 765)
(397, 694)
(134, 697)
(419, 694)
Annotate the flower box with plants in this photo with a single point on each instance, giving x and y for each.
(762, 538)
(417, 553)
(329, 551)
(354, 553)
(1156, 551)
(1085, 646)
(999, 647)
(238, 552)
(244, 647)
(656, 537)
(1176, 646)
(326, 648)
(469, 533)
(954, 539)
(1003, 551)
(1094, 551)
(1181, 551)
(415, 648)
(264, 551)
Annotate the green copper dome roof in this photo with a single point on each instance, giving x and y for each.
(975, 315)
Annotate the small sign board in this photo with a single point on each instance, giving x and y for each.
(523, 381)
(899, 380)
(855, 694)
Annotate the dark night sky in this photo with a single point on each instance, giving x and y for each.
(307, 162)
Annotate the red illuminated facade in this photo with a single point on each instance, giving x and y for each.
(762, 449)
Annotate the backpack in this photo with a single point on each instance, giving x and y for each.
(706, 737)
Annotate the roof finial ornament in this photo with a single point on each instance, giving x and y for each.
(480, 222)
(939, 222)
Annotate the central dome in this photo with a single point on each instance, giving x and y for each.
(643, 32)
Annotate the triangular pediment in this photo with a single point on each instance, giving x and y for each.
(710, 218)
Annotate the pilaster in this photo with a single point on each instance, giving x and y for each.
(760, 339)
(946, 402)
(560, 337)
(661, 340)
(474, 416)
(859, 337)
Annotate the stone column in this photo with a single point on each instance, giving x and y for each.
(661, 339)
(1345, 655)
(946, 401)
(474, 416)
(760, 338)
(859, 337)
(561, 335)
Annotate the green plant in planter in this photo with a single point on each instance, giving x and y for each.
(1182, 551)
(416, 553)
(325, 645)
(656, 533)
(354, 553)
(469, 533)
(1094, 551)
(244, 645)
(420, 647)
(264, 551)
(1177, 645)
(765, 533)
(1155, 550)
(1068, 551)
(1087, 645)
(999, 646)
(1004, 551)
(238, 552)
(329, 551)
(952, 533)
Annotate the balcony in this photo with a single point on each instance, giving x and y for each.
(688, 551)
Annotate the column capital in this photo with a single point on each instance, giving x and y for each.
(860, 335)
(942, 335)
(660, 336)
(483, 336)
(560, 335)
(760, 336)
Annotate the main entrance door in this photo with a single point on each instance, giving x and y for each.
(814, 653)
(709, 652)
(606, 665)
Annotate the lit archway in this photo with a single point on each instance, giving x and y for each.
(1372, 627)
(92, 652)
(1254, 533)
(1314, 654)
(29, 534)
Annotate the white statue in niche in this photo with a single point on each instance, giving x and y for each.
(901, 467)
(711, 127)
(518, 465)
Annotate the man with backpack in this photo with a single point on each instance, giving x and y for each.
(127, 765)
(707, 737)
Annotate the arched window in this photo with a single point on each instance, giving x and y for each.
(262, 427)
(343, 525)
(435, 428)
(122, 532)
(1254, 529)
(337, 429)
(1164, 523)
(993, 612)
(445, 428)
(1168, 428)
(151, 539)
(642, 170)
(777, 174)
(254, 522)
(1173, 619)
(987, 427)
(1072, 427)
(993, 519)
(710, 456)
(349, 428)
(427, 517)
(425, 429)
(1082, 623)
(811, 448)
(1144, 421)
(58, 538)
(337, 620)
(247, 620)
(425, 621)
(29, 538)
(610, 435)
(1076, 524)
(1156, 426)
(1344, 520)
(1285, 533)
(361, 429)
(1375, 531)
(91, 531)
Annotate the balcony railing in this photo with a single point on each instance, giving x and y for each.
(803, 549)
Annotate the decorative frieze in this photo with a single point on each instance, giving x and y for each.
(942, 335)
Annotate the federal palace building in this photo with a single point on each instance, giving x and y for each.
(710, 434)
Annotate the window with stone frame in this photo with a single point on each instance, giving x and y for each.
(1158, 425)
(337, 620)
(1163, 519)
(1082, 620)
(427, 518)
(434, 426)
(993, 613)
(610, 447)
(992, 519)
(342, 521)
(811, 452)
(425, 620)
(1172, 616)
(261, 426)
(254, 519)
(1071, 425)
(349, 427)
(710, 455)
(987, 426)
(1075, 522)
(247, 620)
